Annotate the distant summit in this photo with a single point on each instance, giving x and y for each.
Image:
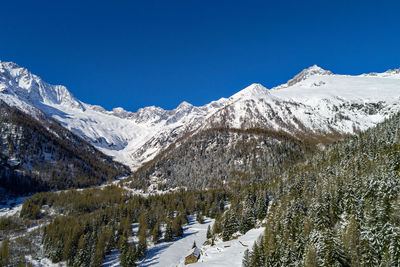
(254, 90)
(304, 74)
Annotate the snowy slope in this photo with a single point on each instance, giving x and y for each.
(229, 253)
(171, 254)
(315, 101)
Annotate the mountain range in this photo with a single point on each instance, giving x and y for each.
(315, 103)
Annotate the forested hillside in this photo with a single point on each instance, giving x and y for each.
(96, 221)
(338, 208)
(221, 157)
(37, 156)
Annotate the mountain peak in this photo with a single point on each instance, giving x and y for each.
(304, 74)
(315, 68)
(31, 88)
(8, 64)
(254, 90)
(184, 104)
(393, 71)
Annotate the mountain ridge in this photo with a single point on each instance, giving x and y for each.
(40, 155)
(315, 101)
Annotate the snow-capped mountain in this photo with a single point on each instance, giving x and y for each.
(129, 137)
(41, 155)
(315, 102)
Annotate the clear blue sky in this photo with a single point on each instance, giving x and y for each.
(139, 53)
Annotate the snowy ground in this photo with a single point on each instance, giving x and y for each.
(44, 262)
(228, 253)
(112, 260)
(167, 254)
(12, 207)
(174, 253)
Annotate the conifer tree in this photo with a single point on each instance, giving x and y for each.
(200, 218)
(124, 255)
(168, 233)
(248, 221)
(156, 233)
(4, 253)
(177, 227)
(256, 256)
(127, 226)
(246, 259)
(230, 226)
(351, 242)
(131, 256)
(261, 205)
(310, 258)
(82, 258)
(394, 247)
(71, 245)
(142, 244)
(209, 234)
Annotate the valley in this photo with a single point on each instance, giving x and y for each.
(306, 173)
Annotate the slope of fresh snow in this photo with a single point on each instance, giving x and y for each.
(315, 100)
(358, 88)
(168, 254)
(228, 253)
(12, 207)
(44, 262)
(112, 260)
(171, 254)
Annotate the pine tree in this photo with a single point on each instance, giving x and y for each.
(351, 242)
(4, 253)
(246, 259)
(176, 226)
(100, 249)
(131, 256)
(142, 244)
(248, 221)
(209, 234)
(394, 247)
(261, 205)
(310, 258)
(230, 226)
(82, 258)
(168, 233)
(156, 233)
(200, 218)
(127, 226)
(71, 245)
(256, 255)
(124, 252)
